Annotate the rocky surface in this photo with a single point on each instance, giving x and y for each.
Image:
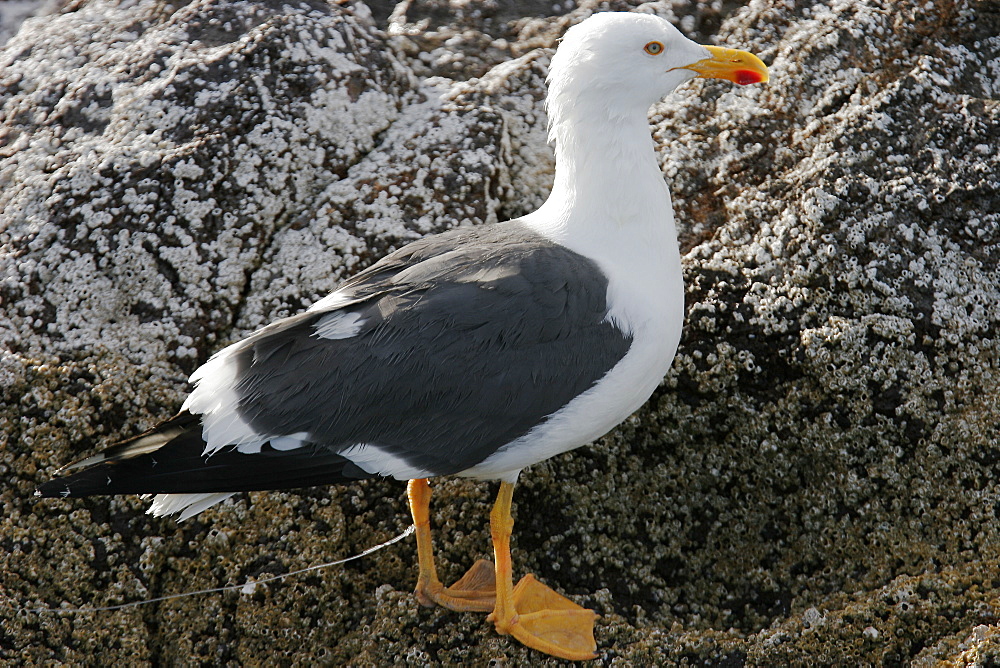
(817, 480)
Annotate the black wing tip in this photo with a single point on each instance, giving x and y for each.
(77, 485)
(93, 475)
(54, 489)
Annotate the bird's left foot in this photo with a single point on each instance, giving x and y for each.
(549, 622)
(474, 592)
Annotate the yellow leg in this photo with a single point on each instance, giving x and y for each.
(474, 592)
(535, 615)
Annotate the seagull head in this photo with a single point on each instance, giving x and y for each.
(617, 64)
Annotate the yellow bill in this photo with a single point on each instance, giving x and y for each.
(740, 67)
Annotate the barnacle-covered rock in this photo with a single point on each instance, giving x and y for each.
(815, 482)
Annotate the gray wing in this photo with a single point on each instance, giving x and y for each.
(447, 350)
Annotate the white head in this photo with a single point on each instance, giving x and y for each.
(608, 70)
(617, 64)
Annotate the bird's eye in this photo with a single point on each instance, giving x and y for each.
(654, 48)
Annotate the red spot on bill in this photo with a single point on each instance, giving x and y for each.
(745, 77)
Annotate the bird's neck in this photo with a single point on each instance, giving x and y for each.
(609, 203)
(608, 184)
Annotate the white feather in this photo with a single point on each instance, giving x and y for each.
(331, 302)
(188, 505)
(215, 399)
(339, 325)
(290, 442)
(372, 459)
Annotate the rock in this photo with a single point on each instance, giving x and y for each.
(814, 483)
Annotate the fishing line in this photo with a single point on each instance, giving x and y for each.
(246, 588)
